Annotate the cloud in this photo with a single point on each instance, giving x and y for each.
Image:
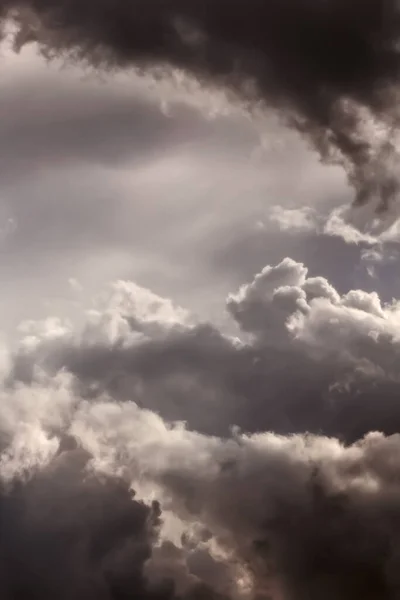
(301, 514)
(377, 237)
(251, 449)
(330, 69)
(295, 220)
(70, 532)
(282, 481)
(316, 516)
(68, 535)
(339, 349)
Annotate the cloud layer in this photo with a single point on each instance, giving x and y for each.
(340, 352)
(144, 452)
(88, 414)
(330, 69)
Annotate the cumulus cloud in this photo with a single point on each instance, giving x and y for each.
(253, 454)
(70, 532)
(330, 69)
(147, 453)
(287, 517)
(308, 516)
(71, 536)
(340, 352)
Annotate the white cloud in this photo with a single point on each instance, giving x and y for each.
(296, 220)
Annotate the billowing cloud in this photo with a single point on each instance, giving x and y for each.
(331, 69)
(293, 517)
(69, 532)
(145, 452)
(309, 517)
(264, 460)
(338, 349)
(68, 535)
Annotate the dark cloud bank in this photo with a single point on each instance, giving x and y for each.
(68, 534)
(330, 67)
(308, 510)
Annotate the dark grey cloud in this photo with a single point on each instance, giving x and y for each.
(87, 414)
(312, 360)
(66, 536)
(303, 515)
(274, 510)
(311, 518)
(327, 67)
(70, 533)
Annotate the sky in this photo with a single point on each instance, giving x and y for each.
(103, 178)
(200, 308)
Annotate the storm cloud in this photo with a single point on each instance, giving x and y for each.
(307, 359)
(330, 69)
(69, 532)
(145, 452)
(265, 460)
